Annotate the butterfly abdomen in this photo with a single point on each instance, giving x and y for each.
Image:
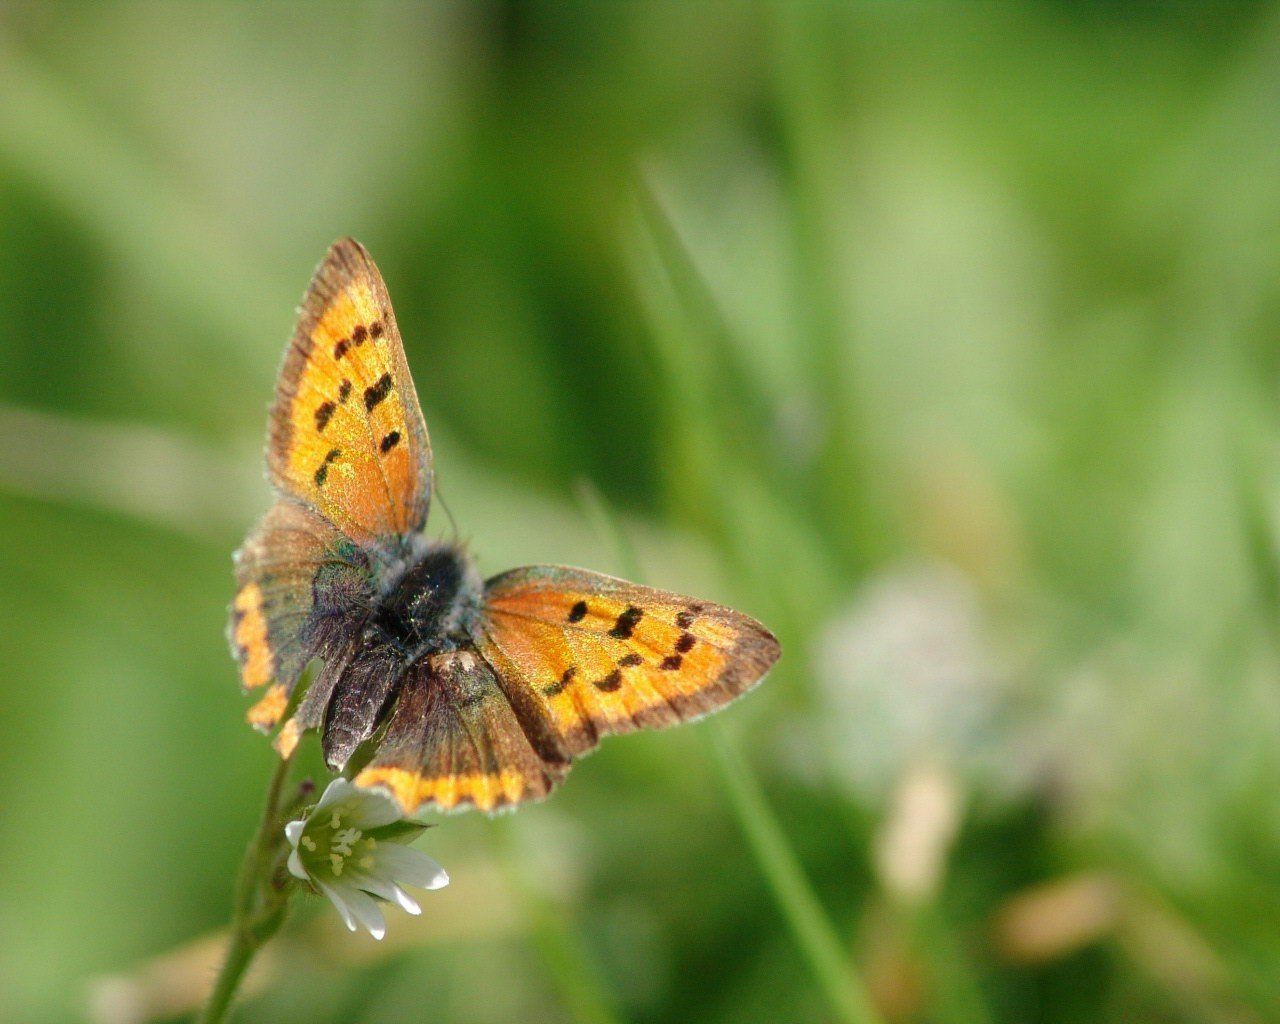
(424, 602)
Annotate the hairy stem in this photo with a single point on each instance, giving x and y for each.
(259, 907)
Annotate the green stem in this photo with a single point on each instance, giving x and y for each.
(957, 994)
(809, 924)
(813, 931)
(606, 527)
(240, 954)
(568, 961)
(259, 907)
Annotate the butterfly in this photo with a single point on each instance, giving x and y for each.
(475, 693)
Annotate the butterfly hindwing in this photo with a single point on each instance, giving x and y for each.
(582, 655)
(293, 572)
(454, 741)
(347, 435)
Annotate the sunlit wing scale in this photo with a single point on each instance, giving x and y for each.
(292, 558)
(454, 741)
(347, 434)
(581, 655)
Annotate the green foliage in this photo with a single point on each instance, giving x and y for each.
(942, 339)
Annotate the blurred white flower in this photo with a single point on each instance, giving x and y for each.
(911, 716)
(907, 680)
(351, 847)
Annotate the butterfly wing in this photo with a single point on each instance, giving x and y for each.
(562, 657)
(454, 741)
(581, 655)
(296, 578)
(347, 435)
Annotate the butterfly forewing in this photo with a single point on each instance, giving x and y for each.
(347, 435)
(591, 655)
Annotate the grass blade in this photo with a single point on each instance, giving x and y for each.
(815, 936)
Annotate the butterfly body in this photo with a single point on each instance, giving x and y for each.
(429, 601)
(418, 602)
(485, 691)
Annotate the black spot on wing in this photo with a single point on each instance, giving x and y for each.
(610, 682)
(344, 392)
(324, 413)
(358, 335)
(555, 689)
(685, 644)
(578, 612)
(685, 619)
(630, 660)
(340, 349)
(626, 624)
(671, 662)
(375, 328)
(389, 442)
(375, 393)
(322, 474)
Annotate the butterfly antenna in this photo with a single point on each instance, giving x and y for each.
(453, 523)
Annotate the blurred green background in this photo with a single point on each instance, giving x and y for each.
(942, 338)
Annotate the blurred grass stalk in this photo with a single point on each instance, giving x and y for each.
(841, 482)
(552, 931)
(698, 359)
(131, 209)
(813, 931)
(911, 851)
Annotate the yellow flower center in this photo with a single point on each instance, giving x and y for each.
(329, 841)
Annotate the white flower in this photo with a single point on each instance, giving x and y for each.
(908, 679)
(351, 847)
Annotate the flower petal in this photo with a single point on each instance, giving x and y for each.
(407, 903)
(293, 832)
(407, 865)
(338, 790)
(387, 889)
(366, 911)
(338, 901)
(295, 865)
(373, 809)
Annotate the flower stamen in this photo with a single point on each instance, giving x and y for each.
(345, 839)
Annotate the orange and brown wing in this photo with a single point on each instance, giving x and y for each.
(454, 741)
(562, 657)
(293, 570)
(347, 435)
(581, 655)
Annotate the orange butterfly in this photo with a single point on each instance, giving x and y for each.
(487, 690)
